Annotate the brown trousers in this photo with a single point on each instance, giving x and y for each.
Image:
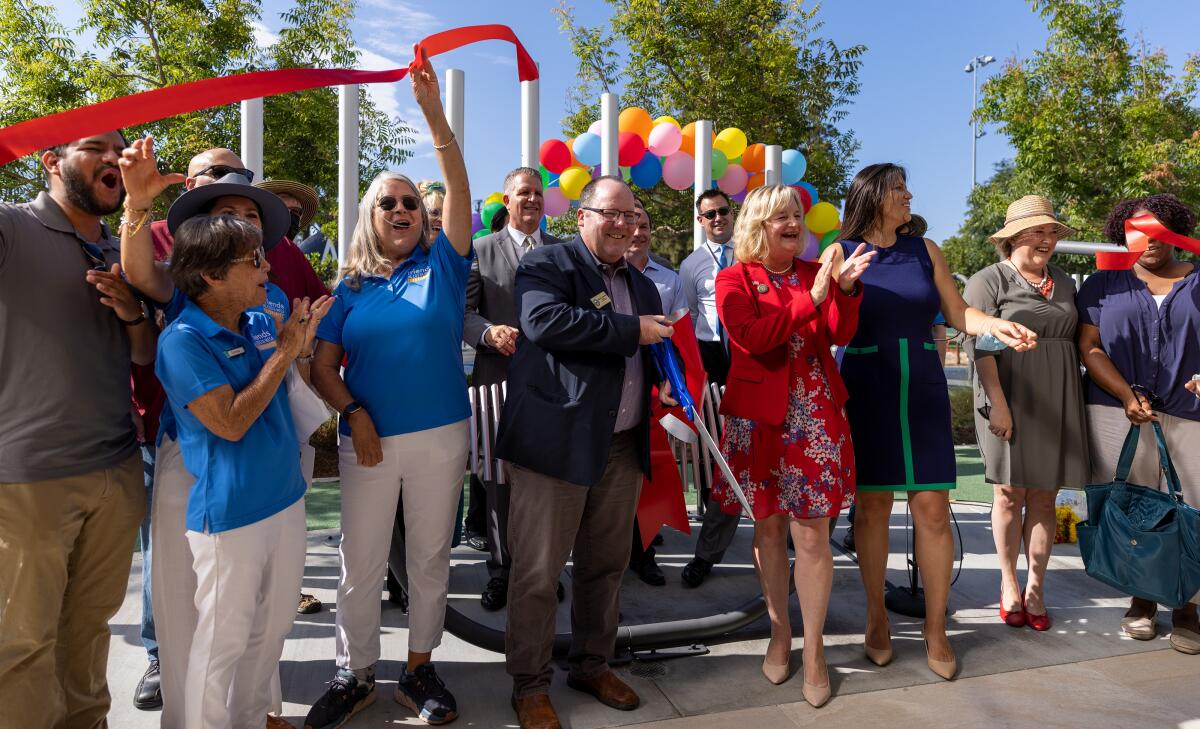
(65, 550)
(550, 520)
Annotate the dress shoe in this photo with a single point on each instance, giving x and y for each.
(536, 712)
(776, 673)
(308, 605)
(816, 696)
(694, 572)
(1014, 619)
(608, 689)
(147, 695)
(879, 656)
(495, 595)
(945, 669)
(475, 541)
(848, 539)
(1040, 623)
(648, 570)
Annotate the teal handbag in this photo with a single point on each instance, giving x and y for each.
(1142, 541)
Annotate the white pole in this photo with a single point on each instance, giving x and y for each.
(347, 166)
(608, 135)
(774, 168)
(530, 133)
(703, 179)
(456, 95)
(252, 136)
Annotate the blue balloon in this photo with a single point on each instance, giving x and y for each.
(587, 148)
(812, 191)
(647, 173)
(794, 166)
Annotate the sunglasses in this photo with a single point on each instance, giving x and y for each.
(387, 203)
(1144, 393)
(723, 211)
(218, 171)
(94, 255)
(256, 259)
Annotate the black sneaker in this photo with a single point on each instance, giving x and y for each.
(694, 572)
(495, 595)
(425, 694)
(148, 695)
(848, 540)
(476, 541)
(345, 697)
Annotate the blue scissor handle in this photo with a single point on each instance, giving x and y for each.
(668, 366)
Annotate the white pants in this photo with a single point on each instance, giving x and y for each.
(308, 461)
(430, 464)
(247, 580)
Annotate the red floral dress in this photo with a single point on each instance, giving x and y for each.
(803, 468)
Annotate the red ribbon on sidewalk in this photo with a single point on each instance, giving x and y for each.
(662, 503)
(148, 106)
(1138, 232)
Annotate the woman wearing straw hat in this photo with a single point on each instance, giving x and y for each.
(1030, 421)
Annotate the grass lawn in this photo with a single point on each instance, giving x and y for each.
(324, 500)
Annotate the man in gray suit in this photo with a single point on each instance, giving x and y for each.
(490, 326)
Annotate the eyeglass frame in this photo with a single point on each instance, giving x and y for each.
(229, 170)
(404, 200)
(259, 256)
(712, 214)
(94, 255)
(629, 217)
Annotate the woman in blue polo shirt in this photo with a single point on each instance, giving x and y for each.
(398, 323)
(222, 363)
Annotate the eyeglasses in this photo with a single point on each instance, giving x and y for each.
(630, 217)
(1154, 401)
(723, 211)
(387, 203)
(94, 255)
(218, 171)
(256, 259)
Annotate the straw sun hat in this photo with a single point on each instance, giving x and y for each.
(305, 194)
(1029, 212)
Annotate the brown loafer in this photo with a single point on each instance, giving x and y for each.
(536, 712)
(610, 690)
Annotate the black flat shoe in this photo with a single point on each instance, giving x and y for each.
(495, 595)
(147, 695)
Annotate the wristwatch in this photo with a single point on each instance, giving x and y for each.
(353, 407)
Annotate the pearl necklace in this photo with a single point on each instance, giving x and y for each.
(780, 273)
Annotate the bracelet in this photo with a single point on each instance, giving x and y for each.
(304, 359)
(137, 224)
(440, 147)
(133, 322)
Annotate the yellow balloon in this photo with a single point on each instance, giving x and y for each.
(821, 218)
(731, 141)
(495, 197)
(667, 120)
(572, 181)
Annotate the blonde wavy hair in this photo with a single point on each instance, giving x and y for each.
(749, 234)
(365, 257)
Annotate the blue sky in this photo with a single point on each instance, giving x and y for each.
(913, 108)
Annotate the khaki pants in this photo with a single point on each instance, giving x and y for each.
(65, 551)
(549, 520)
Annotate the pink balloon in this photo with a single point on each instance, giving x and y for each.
(734, 180)
(555, 202)
(678, 171)
(597, 128)
(664, 140)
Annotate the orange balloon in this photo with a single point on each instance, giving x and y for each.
(754, 159)
(689, 139)
(636, 120)
(756, 180)
(571, 148)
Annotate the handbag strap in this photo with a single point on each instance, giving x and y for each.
(1125, 462)
(1164, 461)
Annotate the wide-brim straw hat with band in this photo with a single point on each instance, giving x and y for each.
(197, 201)
(1029, 212)
(305, 194)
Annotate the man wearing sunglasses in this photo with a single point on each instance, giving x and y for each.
(71, 489)
(698, 272)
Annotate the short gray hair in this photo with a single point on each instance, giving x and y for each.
(205, 245)
(511, 177)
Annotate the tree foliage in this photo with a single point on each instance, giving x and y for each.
(138, 45)
(759, 65)
(1093, 120)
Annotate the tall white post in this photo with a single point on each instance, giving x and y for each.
(347, 166)
(456, 96)
(608, 135)
(703, 179)
(773, 171)
(252, 136)
(530, 131)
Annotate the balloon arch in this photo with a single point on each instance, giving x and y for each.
(658, 151)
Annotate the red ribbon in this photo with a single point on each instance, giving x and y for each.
(1138, 232)
(661, 503)
(148, 106)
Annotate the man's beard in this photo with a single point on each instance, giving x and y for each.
(81, 195)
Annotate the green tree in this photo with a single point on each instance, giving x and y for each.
(770, 74)
(140, 45)
(1094, 119)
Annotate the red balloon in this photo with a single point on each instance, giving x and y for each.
(555, 155)
(630, 149)
(805, 197)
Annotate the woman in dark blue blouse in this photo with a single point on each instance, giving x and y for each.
(1138, 338)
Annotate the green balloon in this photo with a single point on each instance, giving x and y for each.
(545, 177)
(626, 174)
(719, 164)
(489, 212)
(830, 238)
(480, 233)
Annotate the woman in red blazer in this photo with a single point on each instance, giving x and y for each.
(786, 436)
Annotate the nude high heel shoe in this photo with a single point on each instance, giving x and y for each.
(878, 656)
(816, 696)
(945, 669)
(776, 673)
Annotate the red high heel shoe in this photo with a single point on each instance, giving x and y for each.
(1015, 619)
(1040, 623)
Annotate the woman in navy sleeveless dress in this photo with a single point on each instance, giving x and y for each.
(899, 407)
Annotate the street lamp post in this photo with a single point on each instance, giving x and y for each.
(972, 68)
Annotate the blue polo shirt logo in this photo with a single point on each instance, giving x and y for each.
(418, 274)
(263, 339)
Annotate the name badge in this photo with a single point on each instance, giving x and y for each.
(601, 300)
(231, 353)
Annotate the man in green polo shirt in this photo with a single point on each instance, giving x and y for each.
(71, 489)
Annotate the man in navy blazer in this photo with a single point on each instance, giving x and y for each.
(575, 435)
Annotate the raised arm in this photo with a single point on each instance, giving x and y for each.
(456, 210)
(143, 183)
